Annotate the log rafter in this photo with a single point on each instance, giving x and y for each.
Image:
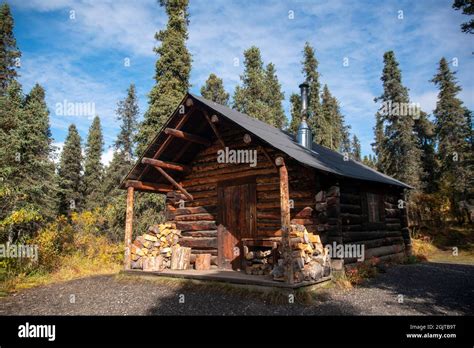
(148, 186)
(167, 165)
(214, 128)
(187, 136)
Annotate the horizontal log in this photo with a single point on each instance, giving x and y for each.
(236, 175)
(384, 250)
(167, 165)
(199, 243)
(195, 217)
(351, 219)
(196, 225)
(210, 233)
(367, 235)
(187, 136)
(349, 198)
(196, 210)
(374, 243)
(351, 208)
(148, 186)
(204, 251)
(392, 212)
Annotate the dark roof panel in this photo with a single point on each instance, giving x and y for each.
(319, 157)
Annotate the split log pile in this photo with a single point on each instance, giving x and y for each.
(152, 251)
(259, 262)
(310, 259)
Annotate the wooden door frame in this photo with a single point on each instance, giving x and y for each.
(220, 212)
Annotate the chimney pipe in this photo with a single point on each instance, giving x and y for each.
(304, 136)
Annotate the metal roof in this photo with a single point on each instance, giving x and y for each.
(319, 157)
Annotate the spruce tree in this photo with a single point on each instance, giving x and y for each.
(70, 173)
(38, 170)
(274, 98)
(424, 130)
(251, 97)
(127, 113)
(214, 90)
(172, 71)
(452, 134)
(311, 76)
(93, 168)
(295, 111)
(401, 155)
(370, 161)
(9, 53)
(356, 151)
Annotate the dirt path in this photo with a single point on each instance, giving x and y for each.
(428, 288)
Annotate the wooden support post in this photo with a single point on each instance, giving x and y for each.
(187, 136)
(174, 183)
(128, 227)
(285, 220)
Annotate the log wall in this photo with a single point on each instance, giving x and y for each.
(198, 219)
(382, 239)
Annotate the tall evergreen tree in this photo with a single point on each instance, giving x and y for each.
(356, 151)
(251, 97)
(127, 113)
(9, 53)
(93, 168)
(452, 133)
(214, 90)
(122, 160)
(311, 76)
(401, 155)
(295, 111)
(424, 130)
(173, 68)
(274, 97)
(38, 167)
(70, 173)
(370, 161)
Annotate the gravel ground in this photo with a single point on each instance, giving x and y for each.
(428, 288)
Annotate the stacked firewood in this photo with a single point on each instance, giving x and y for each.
(310, 259)
(258, 262)
(153, 250)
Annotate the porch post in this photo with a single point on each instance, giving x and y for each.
(285, 220)
(128, 227)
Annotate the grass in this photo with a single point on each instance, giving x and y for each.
(71, 267)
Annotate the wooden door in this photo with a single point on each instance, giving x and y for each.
(237, 214)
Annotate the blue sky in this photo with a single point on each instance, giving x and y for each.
(82, 59)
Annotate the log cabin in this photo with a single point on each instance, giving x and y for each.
(232, 182)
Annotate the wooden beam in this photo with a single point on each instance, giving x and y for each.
(128, 227)
(285, 220)
(163, 146)
(187, 136)
(148, 186)
(167, 165)
(174, 183)
(214, 129)
(267, 155)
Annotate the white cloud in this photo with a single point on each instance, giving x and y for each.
(107, 156)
